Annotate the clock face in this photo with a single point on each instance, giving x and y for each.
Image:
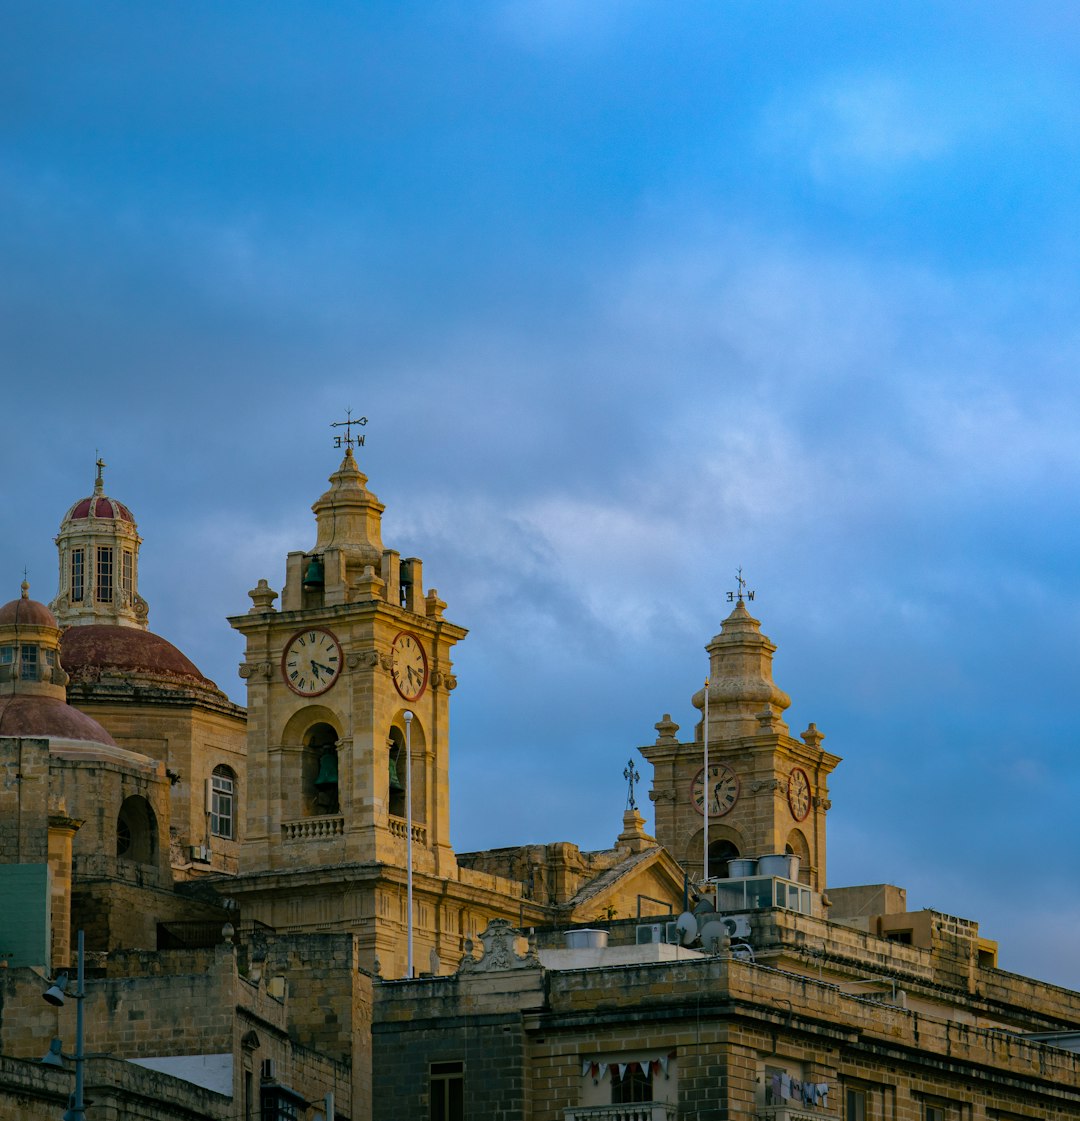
(798, 793)
(408, 665)
(311, 662)
(722, 790)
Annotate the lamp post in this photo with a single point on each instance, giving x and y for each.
(55, 996)
(408, 835)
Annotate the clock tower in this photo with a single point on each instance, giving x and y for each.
(766, 791)
(347, 682)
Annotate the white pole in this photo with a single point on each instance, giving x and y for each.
(408, 831)
(705, 787)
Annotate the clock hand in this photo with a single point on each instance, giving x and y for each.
(320, 666)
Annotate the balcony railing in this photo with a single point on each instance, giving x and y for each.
(399, 827)
(312, 829)
(637, 1111)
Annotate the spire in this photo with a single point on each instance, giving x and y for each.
(349, 517)
(741, 684)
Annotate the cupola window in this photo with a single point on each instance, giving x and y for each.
(28, 663)
(78, 575)
(103, 591)
(127, 574)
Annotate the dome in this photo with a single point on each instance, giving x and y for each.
(86, 652)
(99, 506)
(48, 718)
(27, 612)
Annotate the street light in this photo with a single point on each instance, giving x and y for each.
(55, 995)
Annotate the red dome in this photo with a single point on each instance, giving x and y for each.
(27, 612)
(48, 718)
(88, 651)
(99, 506)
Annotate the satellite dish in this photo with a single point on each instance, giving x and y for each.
(714, 935)
(686, 925)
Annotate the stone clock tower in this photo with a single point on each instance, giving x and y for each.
(346, 679)
(767, 791)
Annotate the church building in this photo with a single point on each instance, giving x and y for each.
(275, 922)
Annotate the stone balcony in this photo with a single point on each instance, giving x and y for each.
(313, 828)
(635, 1111)
(399, 827)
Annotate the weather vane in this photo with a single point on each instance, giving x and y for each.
(743, 592)
(631, 777)
(348, 440)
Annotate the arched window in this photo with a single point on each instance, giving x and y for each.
(720, 852)
(136, 831)
(223, 803)
(397, 775)
(321, 770)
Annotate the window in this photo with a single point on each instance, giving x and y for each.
(103, 591)
(632, 1085)
(933, 1113)
(7, 655)
(855, 1105)
(222, 803)
(78, 576)
(127, 574)
(448, 1091)
(28, 663)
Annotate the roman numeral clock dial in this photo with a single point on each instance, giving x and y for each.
(722, 790)
(311, 662)
(408, 666)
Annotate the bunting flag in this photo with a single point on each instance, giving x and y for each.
(622, 1069)
(663, 1061)
(586, 1067)
(603, 1069)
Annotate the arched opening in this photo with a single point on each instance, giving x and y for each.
(223, 803)
(797, 845)
(136, 831)
(320, 778)
(720, 852)
(396, 775)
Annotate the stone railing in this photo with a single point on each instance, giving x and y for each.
(637, 1111)
(788, 1113)
(399, 828)
(312, 829)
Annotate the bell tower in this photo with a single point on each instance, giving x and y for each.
(349, 679)
(766, 791)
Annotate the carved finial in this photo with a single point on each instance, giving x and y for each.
(99, 482)
(812, 737)
(25, 586)
(666, 729)
(262, 598)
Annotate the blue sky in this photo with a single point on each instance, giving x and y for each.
(633, 294)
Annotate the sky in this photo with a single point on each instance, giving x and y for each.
(633, 294)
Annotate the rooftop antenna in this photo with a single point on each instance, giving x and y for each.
(349, 440)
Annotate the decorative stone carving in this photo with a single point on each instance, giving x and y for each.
(666, 729)
(451, 681)
(812, 737)
(499, 951)
(262, 598)
(436, 679)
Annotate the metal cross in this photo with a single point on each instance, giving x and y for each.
(348, 439)
(742, 593)
(631, 777)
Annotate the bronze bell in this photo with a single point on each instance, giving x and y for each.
(315, 577)
(327, 769)
(395, 782)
